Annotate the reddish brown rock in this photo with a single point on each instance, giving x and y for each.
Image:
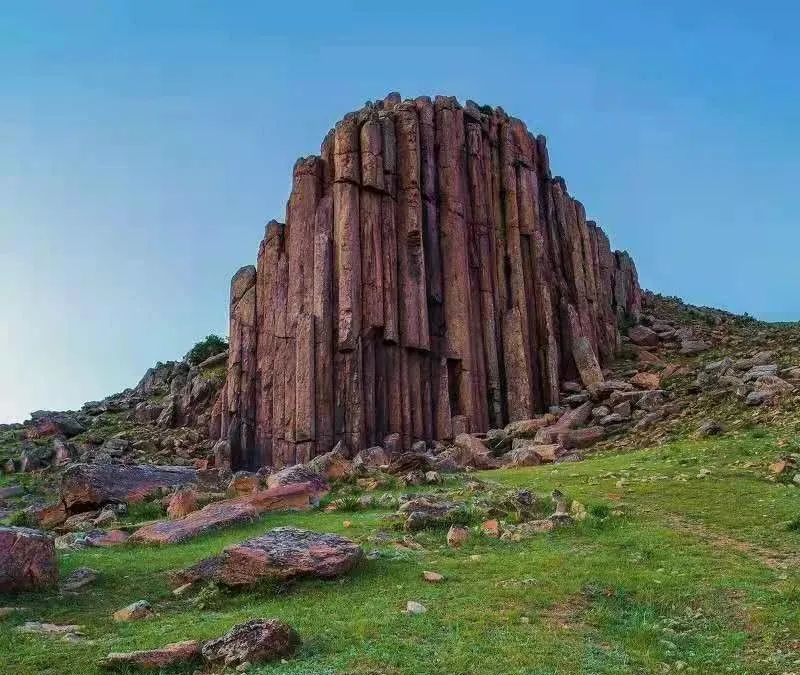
(644, 380)
(281, 554)
(175, 654)
(227, 512)
(181, 504)
(433, 278)
(27, 560)
(85, 486)
(253, 642)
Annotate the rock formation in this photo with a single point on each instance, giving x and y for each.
(432, 278)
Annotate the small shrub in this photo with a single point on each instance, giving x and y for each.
(599, 511)
(209, 346)
(794, 524)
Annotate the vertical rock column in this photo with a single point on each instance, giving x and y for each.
(239, 422)
(432, 278)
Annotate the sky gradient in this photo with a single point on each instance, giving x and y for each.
(144, 145)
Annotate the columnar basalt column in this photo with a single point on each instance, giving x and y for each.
(432, 277)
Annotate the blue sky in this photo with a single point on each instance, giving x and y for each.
(144, 145)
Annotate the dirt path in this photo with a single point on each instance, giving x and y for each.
(769, 557)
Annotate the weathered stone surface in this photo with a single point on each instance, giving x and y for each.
(433, 279)
(253, 642)
(27, 559)
(181, 504)
(228, 512)
(178, 653)
(281, 554)
(89, 485)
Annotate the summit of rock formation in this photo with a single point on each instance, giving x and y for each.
(433, 277)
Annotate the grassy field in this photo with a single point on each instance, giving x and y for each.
(698, 574)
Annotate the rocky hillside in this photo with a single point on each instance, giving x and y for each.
(163, 419)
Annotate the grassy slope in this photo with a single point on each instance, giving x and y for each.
(699, 573)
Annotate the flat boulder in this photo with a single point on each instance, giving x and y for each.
(27, 560)
(281, 554)
(228, 512)
(643, 336)
(299, 473)
(253, 642)
(178, 653)
(84, 486)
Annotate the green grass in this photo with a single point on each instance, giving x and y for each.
(696, 575)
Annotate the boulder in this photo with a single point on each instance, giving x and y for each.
(643, 336)
(178, 653)
(228, 512)
(422, 512)
(644, 380)
(579, 438)
(281, 554)
(182, 503)
(526, 452)
(253, 642)
(370, 458)
(79, 578)
(134, 612)
(332, 465)
(27, 560)
(469, 450)
(243, 483)
(690, 347)
(85, 486)
(299, 473)
(457, 535)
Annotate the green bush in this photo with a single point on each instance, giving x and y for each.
(210, 345)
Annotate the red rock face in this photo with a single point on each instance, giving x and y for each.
(27, 560)
(432, 277)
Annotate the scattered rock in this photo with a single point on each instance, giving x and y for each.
(178, 653)
(432, 577)
(79, 578)
(457, 535)
(136, 611)
(644, 380)
(423, 512)
(256, 641)
(414, 607)
(643, 336)
(710, 428)
(281, 554)
(27, 559)
(182, 503)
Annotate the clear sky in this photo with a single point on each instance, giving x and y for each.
(144, 144)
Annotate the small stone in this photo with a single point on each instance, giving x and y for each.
(491, 527)
(134, 612)
(457, 535)
(432, 577)
(413, 607)
(181, 590)
(347, 523)
(79, 578)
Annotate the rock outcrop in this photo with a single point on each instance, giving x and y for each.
(432, 278)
